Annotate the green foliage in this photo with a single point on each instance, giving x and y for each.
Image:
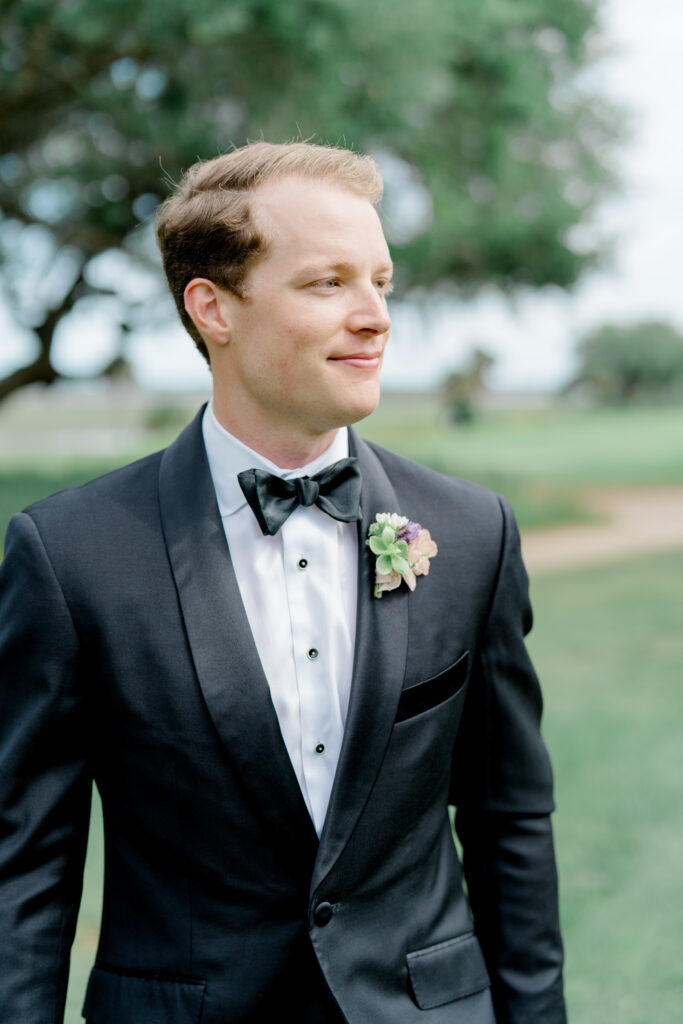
(478, 97)
(639, 361)
(462, 388)
(491, 150)
(392, 554)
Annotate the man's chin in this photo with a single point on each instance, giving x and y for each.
(358, 410)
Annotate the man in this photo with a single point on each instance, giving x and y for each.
(277, 714)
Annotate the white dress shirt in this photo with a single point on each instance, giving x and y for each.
(299, 592)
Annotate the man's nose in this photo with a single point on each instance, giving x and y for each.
(370, 312)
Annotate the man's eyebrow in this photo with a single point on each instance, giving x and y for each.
(343, 266)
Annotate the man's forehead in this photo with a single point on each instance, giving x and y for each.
(311, 226)
(296, 204)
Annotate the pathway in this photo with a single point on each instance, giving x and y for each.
(635, 522)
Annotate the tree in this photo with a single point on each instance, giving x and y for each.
(463, 387)
(624, 363)
(491, 152)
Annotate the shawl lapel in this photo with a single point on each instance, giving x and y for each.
(226, 660)
(378, 673)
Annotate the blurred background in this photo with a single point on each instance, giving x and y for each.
(533, 160)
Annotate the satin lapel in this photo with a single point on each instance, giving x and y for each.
(226, 660)
(379, 667)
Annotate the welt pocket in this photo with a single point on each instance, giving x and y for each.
(432, 692)
(114, 997)
(447, 971)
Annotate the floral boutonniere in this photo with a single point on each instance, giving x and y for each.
(402, 548)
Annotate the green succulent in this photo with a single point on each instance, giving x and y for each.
(392, 554)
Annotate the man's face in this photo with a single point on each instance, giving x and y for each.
(305, 346)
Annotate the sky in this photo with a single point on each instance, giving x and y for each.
(532, 338)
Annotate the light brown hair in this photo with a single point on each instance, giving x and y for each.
(205, 227)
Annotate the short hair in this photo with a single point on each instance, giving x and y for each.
(205, 227)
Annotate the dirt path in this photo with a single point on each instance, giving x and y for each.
(636, 521)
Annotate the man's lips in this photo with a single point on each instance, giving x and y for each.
(361, 360)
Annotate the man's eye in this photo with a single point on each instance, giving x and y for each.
(386, 287)
(326, 285)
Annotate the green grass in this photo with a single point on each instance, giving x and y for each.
(19, 488)
(559, 444)
(608, 645)
(536, 503)
(542, 459)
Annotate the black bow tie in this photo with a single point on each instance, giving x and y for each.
(336, 490)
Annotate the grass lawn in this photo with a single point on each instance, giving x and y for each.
(20, 487)
(542, 459)
(608, 645)
(585, 447)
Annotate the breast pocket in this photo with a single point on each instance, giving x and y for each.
(430, 693)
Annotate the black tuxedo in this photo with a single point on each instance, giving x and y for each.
(126, 656)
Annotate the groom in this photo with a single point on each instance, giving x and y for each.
(277, 714)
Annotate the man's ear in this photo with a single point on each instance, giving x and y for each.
(206, 306)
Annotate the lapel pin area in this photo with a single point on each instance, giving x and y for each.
(402, 549)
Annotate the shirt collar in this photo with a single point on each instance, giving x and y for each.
(228, 456)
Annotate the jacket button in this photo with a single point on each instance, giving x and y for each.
(323, 914)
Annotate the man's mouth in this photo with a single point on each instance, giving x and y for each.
(361, 360)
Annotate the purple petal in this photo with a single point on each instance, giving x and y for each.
(409, 532)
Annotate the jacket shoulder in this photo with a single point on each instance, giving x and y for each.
(133, 479)
(407, 474)
(102, 509)
(133, 487)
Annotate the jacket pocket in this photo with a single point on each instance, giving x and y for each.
(117, 998)
(447, 971)
(432, 692)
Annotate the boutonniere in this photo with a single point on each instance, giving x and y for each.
(402, 549)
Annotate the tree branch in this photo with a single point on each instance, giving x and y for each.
(41, 370)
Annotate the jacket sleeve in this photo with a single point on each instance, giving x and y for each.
(45, 786)
(502, 790)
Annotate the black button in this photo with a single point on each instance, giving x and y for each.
(313, 653)
(319, 748)
(302, 563)
(323, 914)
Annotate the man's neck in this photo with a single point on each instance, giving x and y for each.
(283, 448)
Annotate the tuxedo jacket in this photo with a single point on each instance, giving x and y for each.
(126, 656)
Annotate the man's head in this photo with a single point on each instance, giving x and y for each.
(206, 227)
(276, 257)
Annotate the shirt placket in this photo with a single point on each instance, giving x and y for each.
(308, 551)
